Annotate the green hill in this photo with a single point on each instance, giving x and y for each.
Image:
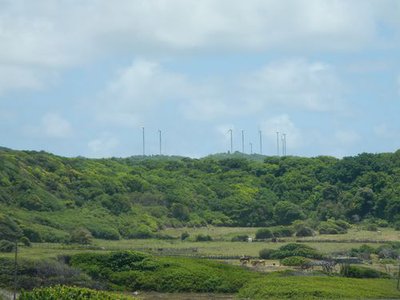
(51, 196)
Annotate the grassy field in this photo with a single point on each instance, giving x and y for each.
(220, 246)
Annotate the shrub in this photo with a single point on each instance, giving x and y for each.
(304, 231)
(24, 240)
(264, 233)
(185, 235)
(6, 246)
(66, 293)
(332, 227)
(295, 261)
(282, 231)
(240, 238)
(203, 238)
(296, 249)
(371, 227)
(81, 236)
(266, 253)
(32, 234)
(362, 272)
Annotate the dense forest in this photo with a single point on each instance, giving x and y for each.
(51, 196)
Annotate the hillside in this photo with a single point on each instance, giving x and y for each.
(50, 196)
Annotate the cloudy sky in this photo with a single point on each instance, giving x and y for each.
(82, 77)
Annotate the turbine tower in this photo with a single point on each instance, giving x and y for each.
(260, 133)
(251, 148)
(143, 141)
(160, 140)
(277, 142)
(242, 141)
(231, 136)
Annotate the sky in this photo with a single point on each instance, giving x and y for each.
(81, 78)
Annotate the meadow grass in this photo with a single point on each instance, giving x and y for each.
(275, 286)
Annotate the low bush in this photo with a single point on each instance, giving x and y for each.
(240, 238)
(266, 253)
(203, 238)
(6, 246)
(67, 293)
(295, 261)
(264, 233)
(24, 240)
(362, 272)
(296, 249)
(304, 231)
(333, 227)
(185, 235)
(282, 231)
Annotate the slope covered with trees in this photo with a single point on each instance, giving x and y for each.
(54, 198)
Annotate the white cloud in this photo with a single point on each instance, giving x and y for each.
(296, 83)
(384, 131)
(50, 35)
(55, 126)
(138, 89)
(346, 137)
(16, 78)
(103, 146)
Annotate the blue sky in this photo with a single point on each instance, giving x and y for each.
(82, 77)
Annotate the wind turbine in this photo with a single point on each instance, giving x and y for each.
(277, 142)
(251, 148)
(143, 141)
(260, 133)
(159, 139)
(231, 136)
(242, 141)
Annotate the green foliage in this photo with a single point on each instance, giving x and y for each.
(282, 231)
(304, 231)
(314, 287)
(24, 240)
(264, 233)
(294, 261)
(362, 272)
(134, 270)
(333, 227)
(50, 196)
(81, 236)
(185, 235)
(266, 253)
(67, 293)
(9, 230)
(203, 238)
(6, 246)
(39, 273)
(240, 238)
(296, 249)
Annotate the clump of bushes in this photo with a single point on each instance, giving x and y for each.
(203, 238)
(130, 270)
(333, 227)
(264, 233)
(364, 252)
(6, 246)
(185, 235)
(362, 272)
(295, 261)
(266, 253)
(60, 292)
(282, 231)
(289, 250)
(304, 231)
(81, 236)
(240, 238)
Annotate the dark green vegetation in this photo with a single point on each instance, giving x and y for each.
(138, 271)
(55, 199)
(67, 293)
(290, 250)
